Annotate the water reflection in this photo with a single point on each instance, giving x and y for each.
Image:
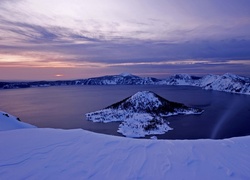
(231, 109)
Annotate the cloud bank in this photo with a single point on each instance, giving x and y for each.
(141, 37)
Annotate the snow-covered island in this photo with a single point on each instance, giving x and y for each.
(42, 153)
(143, 113)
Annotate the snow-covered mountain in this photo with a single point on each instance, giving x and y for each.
(180, 79)
(142, 114)
(227, 82)
(121, 79)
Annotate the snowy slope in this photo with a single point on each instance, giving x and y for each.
(121, 79)
(9, 122)
(79, 154)
(228, 83)
(180, 79)
(142, 114)
(206, 80)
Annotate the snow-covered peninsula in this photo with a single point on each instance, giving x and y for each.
(37, 153)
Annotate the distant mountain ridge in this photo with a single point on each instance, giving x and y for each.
(121, 79)
(227, 82)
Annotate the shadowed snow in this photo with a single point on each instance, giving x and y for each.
(79, 154)
(9, 122)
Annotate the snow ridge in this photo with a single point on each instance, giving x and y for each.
(143, 101)
(179, 79)
(9, 122)
(121, 79)
(227, 82)
(142, 114)
(126, 74)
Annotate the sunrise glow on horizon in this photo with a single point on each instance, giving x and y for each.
(44, 40)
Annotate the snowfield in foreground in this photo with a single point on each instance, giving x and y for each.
(36, 153)
(79, 154)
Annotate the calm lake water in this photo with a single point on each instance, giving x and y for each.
(226, 115)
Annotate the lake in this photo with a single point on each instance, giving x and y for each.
(226, 115)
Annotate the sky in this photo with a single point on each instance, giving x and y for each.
(61, 39)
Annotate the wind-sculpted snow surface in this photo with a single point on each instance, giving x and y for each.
(142, 114)
(9, 122)
(78, 154)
